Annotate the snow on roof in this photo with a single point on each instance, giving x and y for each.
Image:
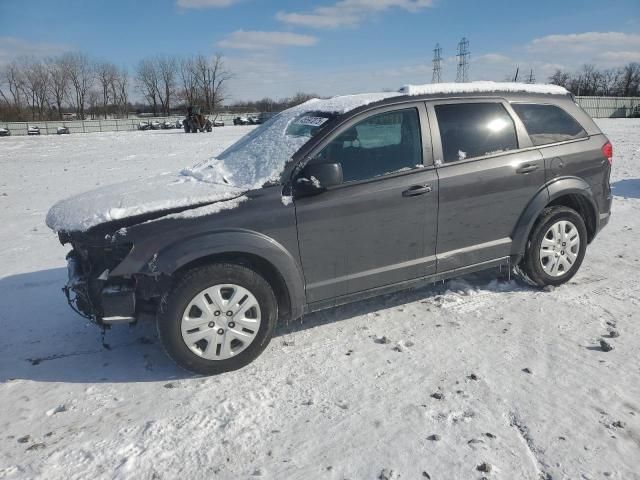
(481, 87)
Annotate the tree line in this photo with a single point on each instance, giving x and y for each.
(47, 88)
(591, 81)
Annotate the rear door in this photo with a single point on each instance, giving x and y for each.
(379, 226)
(488, 174)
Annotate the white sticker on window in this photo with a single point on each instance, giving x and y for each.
(312, 121)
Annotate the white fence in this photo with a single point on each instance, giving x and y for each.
(105, 125)
(609, 107)
(597, 107)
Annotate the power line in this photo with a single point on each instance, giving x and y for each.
(531, 78)
(464, 55)
(437, 64)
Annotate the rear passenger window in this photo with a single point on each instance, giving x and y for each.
(548, 123)
(381, 144)
(469, 130)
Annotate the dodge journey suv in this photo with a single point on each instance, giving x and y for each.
(338, 200)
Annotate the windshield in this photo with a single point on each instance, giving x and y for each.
(260, 156)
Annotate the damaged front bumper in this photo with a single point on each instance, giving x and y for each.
(99, 299)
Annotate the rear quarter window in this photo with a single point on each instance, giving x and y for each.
(548, 123)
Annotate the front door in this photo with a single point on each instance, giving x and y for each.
(379, 226)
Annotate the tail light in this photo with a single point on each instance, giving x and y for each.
(607, 151)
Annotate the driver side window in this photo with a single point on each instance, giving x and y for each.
(381, 144)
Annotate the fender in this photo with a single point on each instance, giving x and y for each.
(176, 255)
(554, 189)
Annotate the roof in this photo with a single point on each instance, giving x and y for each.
(482, 87)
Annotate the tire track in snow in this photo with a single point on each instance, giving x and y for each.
(523, 433)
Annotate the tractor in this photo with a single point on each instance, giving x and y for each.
(196, 122)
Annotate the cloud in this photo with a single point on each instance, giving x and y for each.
(256, 40)
(619, 57)
(348, 13)
(604, 49)
(12, 47)
(205, 3)
(586, 42)
(493, 58)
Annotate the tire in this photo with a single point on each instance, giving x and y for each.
(560, 258)
(186, 127)
(191, 288)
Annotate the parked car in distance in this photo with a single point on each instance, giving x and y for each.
(339, 200)
(33, 130)
(64, 130)
(218, 123)
(155, 125)
(144, 126)
(167, 125)
(241, 121)
(179, 124)
(5, 132)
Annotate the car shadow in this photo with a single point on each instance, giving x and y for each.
(627, 188)
(43, 340)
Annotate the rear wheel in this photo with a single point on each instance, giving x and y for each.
(218, 318)
(186, 127)
(556, 247)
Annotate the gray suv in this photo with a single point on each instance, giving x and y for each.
(338, 200)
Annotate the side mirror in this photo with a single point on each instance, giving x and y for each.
(316, 178)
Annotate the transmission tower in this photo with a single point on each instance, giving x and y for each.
(437, 64)
(531, 78)
(464, 56)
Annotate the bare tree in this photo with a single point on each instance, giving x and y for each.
(58, 85)
(148, 82)
(560, 78)
(609, 80)
(189, 90)
(36, 78)
(93, 100)
(105, 74)
(629, 84)
(167, 72)
(211, 78)
(121, 92)
(81, 74)
(13, 78)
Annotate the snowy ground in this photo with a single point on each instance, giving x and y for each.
(328, 399)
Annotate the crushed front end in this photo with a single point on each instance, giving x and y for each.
(90, 290)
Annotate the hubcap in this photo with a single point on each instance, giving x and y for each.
(218, 337)
(559, 248)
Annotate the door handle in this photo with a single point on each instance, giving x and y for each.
(416, 190)
(527, 168)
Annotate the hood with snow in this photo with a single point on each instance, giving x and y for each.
(257, 158)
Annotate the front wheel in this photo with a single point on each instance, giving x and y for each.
(556, 247)
(218, 318)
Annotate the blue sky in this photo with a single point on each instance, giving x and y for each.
(332, 46)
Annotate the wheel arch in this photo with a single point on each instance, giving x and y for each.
(252, 249)
(572, 192)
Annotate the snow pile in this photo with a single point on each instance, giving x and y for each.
(260, 156)
(481, 87)
(136, 197)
